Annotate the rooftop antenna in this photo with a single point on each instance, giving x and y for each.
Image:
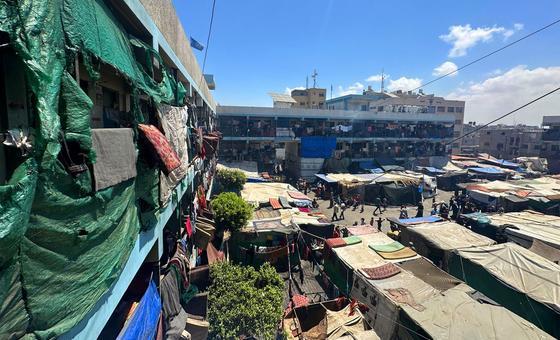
(382, 81)
(306, 82)
(314, 76)
(331, 90)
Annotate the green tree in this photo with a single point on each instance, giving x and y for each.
(244, 301)
(231, 179)
(231, 212)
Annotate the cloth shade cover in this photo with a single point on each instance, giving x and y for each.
(404, 253)
(350, 240)
(160, 145)
(387, 248)
(115, 157)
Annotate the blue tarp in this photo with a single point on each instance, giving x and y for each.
(426, 219)
(376, 171)
(143, 323)
(256, 180)
(317, 147)
(325, 178)
(487, 170)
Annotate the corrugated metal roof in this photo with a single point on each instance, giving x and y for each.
(283, 98)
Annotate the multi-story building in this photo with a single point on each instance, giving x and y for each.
(108, 149)
(404, 103)
(507, 141)
(311, 98)
(254, 133)
(471, 139)
(550, 148)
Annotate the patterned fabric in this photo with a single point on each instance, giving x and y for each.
(403, 295)
(284, 201)
(275, 203)
(298, 195)
(304, 210)
(264, 214)
(381, 272)
(161, 146)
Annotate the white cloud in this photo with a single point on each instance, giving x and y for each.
(376, 78)
(290, 89)
(355, 88)
(495, 72)
(463, 37)
(445, 68)
(500, 94)
(404, 83)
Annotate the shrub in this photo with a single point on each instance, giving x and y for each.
(244, 301)
(231, 212)
(231, 180)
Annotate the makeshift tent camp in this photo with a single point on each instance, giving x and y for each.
(518, 227)
(436, 241)
(520, 280)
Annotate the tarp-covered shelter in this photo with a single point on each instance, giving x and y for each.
(437, 241)
(518, 227)
(260, 193)
(520, 280)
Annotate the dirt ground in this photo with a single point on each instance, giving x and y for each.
(351, 216)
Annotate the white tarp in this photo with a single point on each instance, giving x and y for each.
(521, 269)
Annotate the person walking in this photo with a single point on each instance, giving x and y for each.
(342, 209)
(336, 208)
(420, 210)
(385, 203)
(371, 221)
(377, 206)
(379, 223)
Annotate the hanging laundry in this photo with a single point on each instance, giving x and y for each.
(160, 145)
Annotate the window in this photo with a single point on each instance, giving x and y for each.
(458, 122)
(380, 108)
(459, 109)
(500, 146)
(511, 140)
(301, 103)
(536, 147)
(554, 148)
(364, 108)
(486, 143)
(450, 109)
(431, 109)
(524, 146)
(321, 94)
(441, 109)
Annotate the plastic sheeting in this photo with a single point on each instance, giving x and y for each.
(143, 323)
(66, 245)
(317, 147)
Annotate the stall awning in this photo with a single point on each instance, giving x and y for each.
(325, 178)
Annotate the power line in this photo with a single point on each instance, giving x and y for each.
(491, 122)
(504, 115)
(208, 38)
(488, 55)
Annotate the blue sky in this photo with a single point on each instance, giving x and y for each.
(268, 46)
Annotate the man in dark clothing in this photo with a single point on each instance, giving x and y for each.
(385, 203)
(455, 210)
(377, 206)
(420, 210)
(379, 222)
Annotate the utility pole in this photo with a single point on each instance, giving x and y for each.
(314, 76)
(306, 82)
(382, 80)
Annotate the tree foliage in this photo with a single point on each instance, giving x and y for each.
(244, 301)
(231, 212)
(231, 179)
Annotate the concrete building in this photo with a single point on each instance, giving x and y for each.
(506, 141)
(89, 249)
(311, 98)
(471, 140)
(254, 133)
(404, 103)
(550, 148)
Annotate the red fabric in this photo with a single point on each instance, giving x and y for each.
(305, 210)
(161, 146)
(188, 226)
(335, 242)
(300, 301)
(201, 197)
(381, 272)
(298, 195)
(275, 203)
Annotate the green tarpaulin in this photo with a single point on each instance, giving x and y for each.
(61, 244)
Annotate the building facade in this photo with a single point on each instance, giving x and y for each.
(311, 98)
(471, 140)
(109, 146)
(404, 103)
(550, 148)
(255, 133)
(508, 142)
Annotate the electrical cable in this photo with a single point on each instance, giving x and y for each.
(488, 55)
(208, 38)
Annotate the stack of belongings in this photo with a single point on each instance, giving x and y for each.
(334, 319)
(520, 280)
(205, 229)
(437, 240)
(410, 297)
